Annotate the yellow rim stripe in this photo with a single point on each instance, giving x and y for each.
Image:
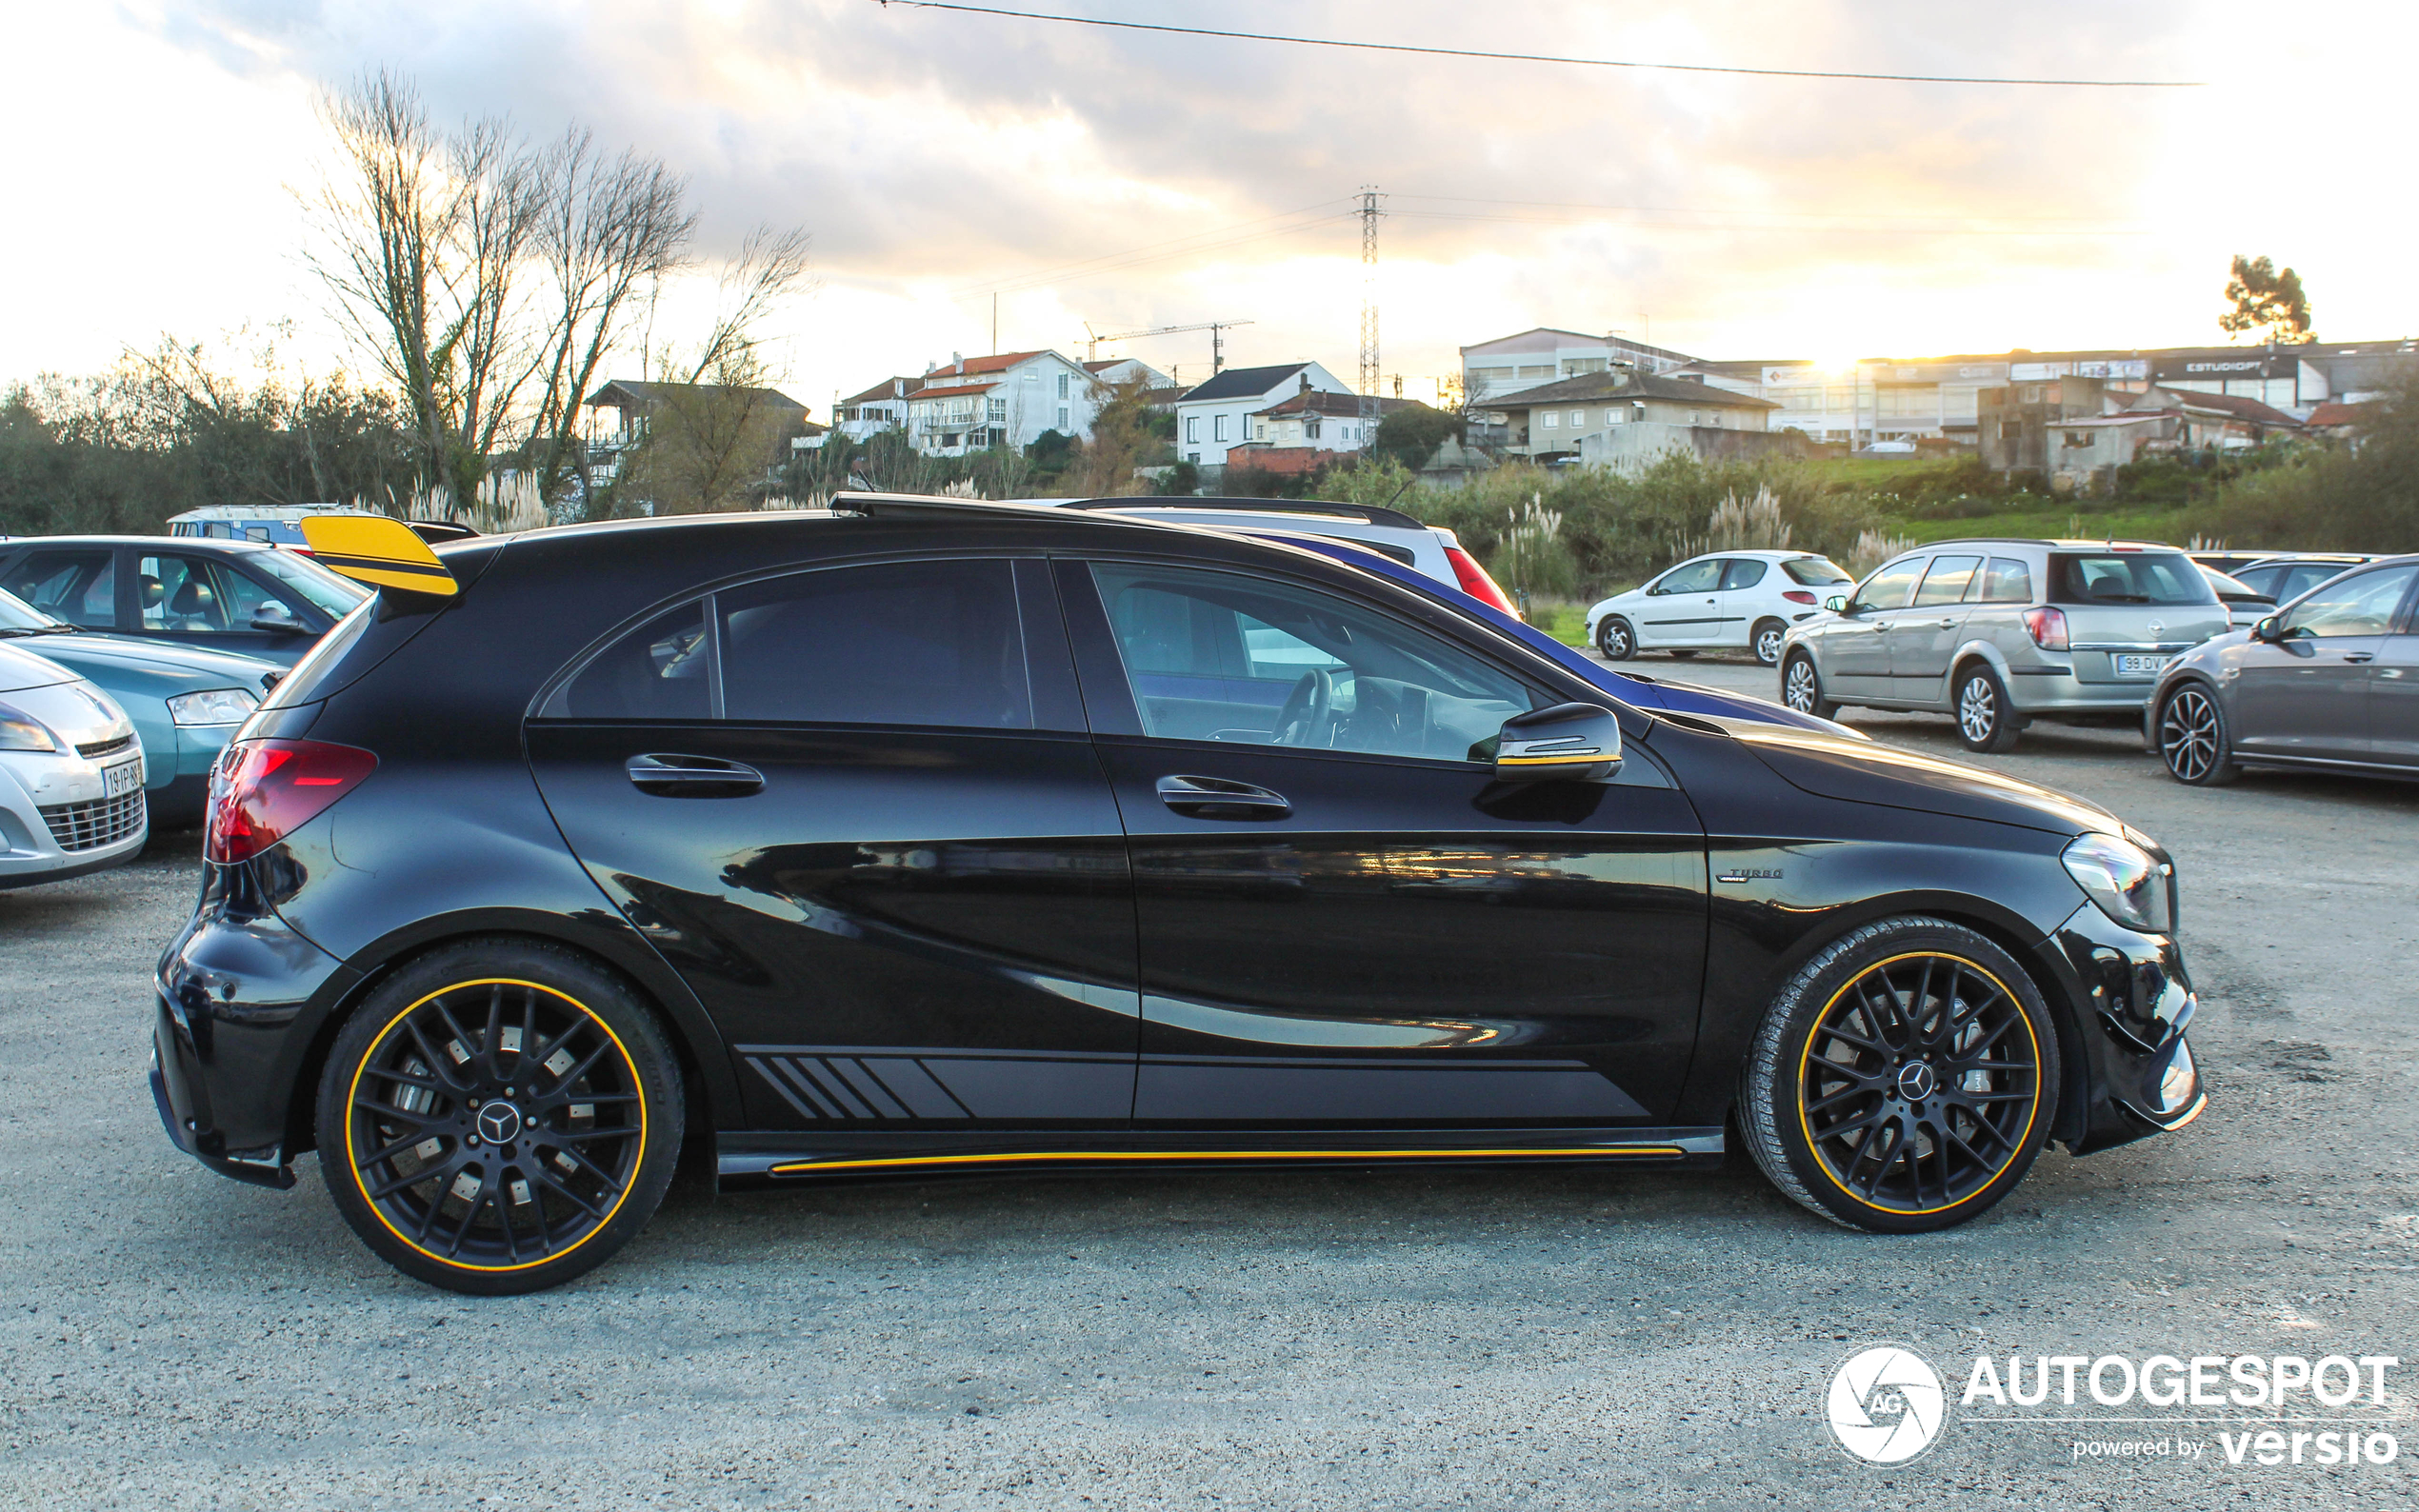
(799, 1167)
(635, 1086)
(2031, 1116)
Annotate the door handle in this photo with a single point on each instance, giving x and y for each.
(1949, 624)
(671, 775)
(2360, 656)
(1216, 798)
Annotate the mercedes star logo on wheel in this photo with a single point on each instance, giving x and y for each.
(499, 1123)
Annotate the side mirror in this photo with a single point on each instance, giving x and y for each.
(2268, 629)
(1837, 604)
(1575, 742)
(275, 619)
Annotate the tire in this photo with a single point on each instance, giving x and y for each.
(1864, 1046)
(514, 1200)
(1615, 639)
(2194, 739)
(1985, 723)
(1802, 688)
(1766, 639)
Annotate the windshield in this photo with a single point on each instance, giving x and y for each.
(2127, 577)
(17, 614)
(1815, 571)
(331, 595)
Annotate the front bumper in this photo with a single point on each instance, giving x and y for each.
(241, 999)
(2134, 1001)
(30, 851)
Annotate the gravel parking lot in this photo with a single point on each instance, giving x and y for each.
(1400, 1340)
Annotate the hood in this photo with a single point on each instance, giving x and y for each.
(21, 668)
(1721, 702)
(1863, 771)
(165, 669)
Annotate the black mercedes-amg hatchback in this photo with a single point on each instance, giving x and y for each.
(931, 836)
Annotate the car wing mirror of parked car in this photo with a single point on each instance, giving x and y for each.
(276, 619)
(1837, 604)
(2268, 629)
(1571, 741)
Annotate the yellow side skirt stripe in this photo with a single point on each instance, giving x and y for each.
(802, 1167)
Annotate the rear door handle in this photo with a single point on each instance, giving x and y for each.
(2360, 656)
(1216, 798)
(668, 774)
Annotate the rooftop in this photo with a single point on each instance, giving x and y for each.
(1247, 383)
(1592, 387)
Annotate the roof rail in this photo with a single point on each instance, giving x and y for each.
(897, 506)
(1368, 513)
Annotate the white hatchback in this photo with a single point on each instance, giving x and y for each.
(70, 774)
(1722, 598)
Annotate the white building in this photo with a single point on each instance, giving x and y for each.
(1008, 399)
(1218, 414)
(1117, 371)
(883, 406)
(1544, 355)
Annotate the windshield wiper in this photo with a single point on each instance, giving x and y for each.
(13, 630)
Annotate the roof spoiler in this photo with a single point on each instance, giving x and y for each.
(378, 550)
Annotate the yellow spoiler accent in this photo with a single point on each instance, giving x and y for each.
(377, 550)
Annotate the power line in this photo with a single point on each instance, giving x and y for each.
(1716, 210)
(1541, 57)
(1743, 225)
(1150, 251)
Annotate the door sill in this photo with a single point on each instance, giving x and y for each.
(767, 1158)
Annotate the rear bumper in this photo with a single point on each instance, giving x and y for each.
(2054, 691)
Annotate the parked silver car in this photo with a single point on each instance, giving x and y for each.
(2002, 632)
(2330, 682)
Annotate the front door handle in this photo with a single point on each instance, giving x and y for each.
(2360, 656)
(1216, 798)
(1949, 624)
(668, 774)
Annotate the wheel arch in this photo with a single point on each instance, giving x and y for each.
(712, 1090)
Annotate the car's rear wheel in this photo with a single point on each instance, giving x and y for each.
(1904, 1080)
(1615, 639)
(499, 1116)
(2193, 740)
(1984, 721)
(1767, 640)
(1802, 689)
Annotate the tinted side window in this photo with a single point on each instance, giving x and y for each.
(2008, 581)
(1947, 581)
(2260, 581)
(1815, 571)
(903, 643)
(664, 669)
(78, 585)
(1743, 572)
(2306, 576)
(1888, 588)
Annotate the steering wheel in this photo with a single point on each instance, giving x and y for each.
(1307, 710)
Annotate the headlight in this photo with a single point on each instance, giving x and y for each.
(2121, 877)
(19, 731)
(220, 705)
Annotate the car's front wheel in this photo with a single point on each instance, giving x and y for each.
(2193, 738)
(1767, 640)
(1904, 1079)
(499, 1116)
(1802, 689)
(1984, 721)
(1615, 639)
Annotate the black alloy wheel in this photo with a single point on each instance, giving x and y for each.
(1615, 639)
(1904, 1081)
(2193, 740)
(1802, 689)
(499, 1117)
(1985, 723)
(1767, 640)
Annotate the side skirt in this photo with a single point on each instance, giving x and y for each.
(746, 1160)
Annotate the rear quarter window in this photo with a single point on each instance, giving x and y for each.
(1815, 572)
(2088, 578)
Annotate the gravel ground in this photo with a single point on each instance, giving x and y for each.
(1499, 1339)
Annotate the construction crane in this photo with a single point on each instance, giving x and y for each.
(1217, 330)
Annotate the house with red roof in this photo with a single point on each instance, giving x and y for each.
(1006, 399)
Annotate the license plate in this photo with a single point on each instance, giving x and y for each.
(2142, 665)
(123, 778)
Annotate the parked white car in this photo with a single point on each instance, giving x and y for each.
(1722, 598)
(70, 774)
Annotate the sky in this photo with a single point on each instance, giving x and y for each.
(947, 164)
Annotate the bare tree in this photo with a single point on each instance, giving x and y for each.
(606, 230)
(425, 234)
(772, 265)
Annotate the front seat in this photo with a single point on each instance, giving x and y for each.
(195, 601)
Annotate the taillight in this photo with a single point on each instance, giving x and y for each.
(2048, 628)
(1797, 596)
(265, 789)
(1476, 582)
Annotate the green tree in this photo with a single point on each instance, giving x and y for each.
(2265, 301)
(1412, 434)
